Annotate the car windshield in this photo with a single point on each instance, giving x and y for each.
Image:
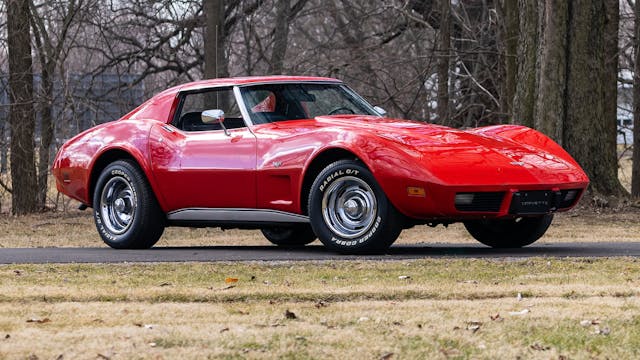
(278, 102)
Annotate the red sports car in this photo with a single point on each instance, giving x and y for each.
(307, 157)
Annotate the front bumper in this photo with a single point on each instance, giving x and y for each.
(484, 202)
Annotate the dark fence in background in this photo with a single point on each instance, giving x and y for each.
(79, 102)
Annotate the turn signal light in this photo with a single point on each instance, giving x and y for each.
(416, 191)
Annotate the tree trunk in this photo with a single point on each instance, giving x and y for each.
(525, 97)
(46, 134)
(280, 36)
(611, 52)
(549, 112)
(215, 60)
(585, 127)
(512, 22)
(21, 114)
(444, 47)
(635, 171)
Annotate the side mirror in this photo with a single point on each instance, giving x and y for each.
(380, 111)
(215, 116)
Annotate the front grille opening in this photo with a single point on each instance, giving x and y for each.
(568, 198)
(479, 201)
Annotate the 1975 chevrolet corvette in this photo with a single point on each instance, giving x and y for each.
(306, 157)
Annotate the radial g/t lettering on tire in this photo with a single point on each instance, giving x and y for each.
(126, 212)
(349, 211)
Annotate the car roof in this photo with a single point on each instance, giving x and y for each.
(250, 80)
(159, 106)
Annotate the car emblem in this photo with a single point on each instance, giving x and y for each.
(277, 163)
(517, 163)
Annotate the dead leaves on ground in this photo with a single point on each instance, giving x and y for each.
(290, 315)
(39, 321)
(597, 330)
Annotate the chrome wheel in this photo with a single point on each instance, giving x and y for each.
(349, 207)
(118, 205)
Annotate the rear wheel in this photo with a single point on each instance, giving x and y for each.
(349, 211)
(511, 233)
(126, 212)
(298, 235)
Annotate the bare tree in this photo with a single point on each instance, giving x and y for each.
(51, 35)
(215, 58)
(510, 40)
(585, 135)
(444, 48)
(571, 70)
(280, 36)
(549, 110)
(635, 171)
(524, 99)
(21, 113)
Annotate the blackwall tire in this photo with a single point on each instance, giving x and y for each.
(297, 235)
(350, 213)
(510, 233)
(126, 212)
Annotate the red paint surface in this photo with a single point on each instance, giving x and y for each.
(263, 166)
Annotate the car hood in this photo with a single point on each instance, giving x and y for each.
(464, 157)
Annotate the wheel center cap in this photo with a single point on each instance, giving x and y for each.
(351, 207)
(119, 205)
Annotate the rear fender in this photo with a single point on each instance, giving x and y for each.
(135, 146)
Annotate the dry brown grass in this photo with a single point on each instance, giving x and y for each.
(362, 310)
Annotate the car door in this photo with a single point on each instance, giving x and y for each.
(204, 165)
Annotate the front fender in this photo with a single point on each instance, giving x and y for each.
(392, 164)
(523, 135)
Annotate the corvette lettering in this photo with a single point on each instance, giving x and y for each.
(534, 203)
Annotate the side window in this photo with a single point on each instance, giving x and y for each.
(189, 117)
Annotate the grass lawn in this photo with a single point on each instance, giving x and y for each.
(451, 308)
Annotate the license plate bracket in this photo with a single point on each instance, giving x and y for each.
(533, 202)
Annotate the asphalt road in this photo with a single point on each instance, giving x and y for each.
(273, 253)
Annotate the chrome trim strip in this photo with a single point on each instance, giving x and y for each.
(363, 100)
(291, 82)
(236, 214)
(243, 107)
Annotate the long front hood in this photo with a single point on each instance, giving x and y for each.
(476, 157)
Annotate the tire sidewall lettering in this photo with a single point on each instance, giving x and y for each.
(336, 175)
(123, 174)
(103, 230)
(361, 240)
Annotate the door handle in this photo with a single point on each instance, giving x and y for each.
(168, 128)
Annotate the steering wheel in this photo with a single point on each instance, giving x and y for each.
(341, 108)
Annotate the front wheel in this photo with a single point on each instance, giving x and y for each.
(349, 211)
(125, 210)
(509, 233)
(298, 235)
